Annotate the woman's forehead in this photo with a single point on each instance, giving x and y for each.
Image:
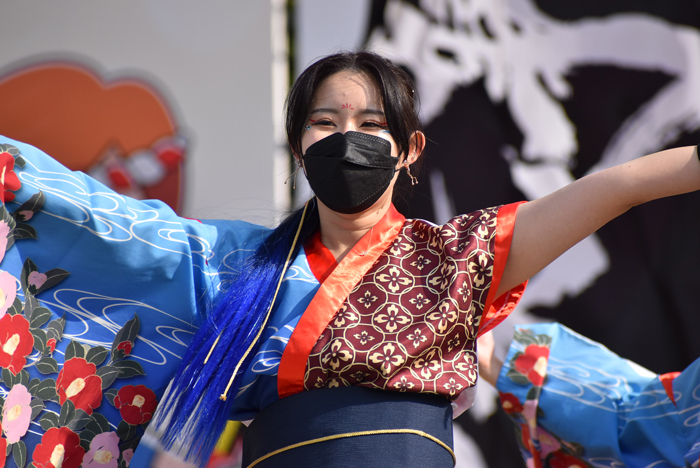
(348, 86)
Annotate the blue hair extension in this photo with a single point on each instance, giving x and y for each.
(192, 415)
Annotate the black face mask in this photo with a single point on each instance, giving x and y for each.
(350, 172)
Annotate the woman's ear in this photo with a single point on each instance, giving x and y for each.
(300, 163)
(415, 147)
(297, 159)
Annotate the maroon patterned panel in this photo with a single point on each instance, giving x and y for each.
(411, 323)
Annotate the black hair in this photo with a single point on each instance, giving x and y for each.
(395, 86)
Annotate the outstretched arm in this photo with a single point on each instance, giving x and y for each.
(545, 228)
(489, 365)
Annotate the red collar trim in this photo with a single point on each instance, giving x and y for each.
(330, 297)
(320, 259)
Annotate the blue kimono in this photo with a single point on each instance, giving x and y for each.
(576, 403)
(100, 295)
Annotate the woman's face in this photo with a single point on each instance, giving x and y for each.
(346, 101)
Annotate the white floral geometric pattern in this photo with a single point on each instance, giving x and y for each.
(412, 320)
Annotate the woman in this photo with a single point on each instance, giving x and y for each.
(439, 284)
(369, 300)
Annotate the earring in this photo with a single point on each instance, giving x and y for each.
(414, 181)
(293, 174)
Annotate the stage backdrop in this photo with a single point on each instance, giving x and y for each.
(156, 98)
(520, 97)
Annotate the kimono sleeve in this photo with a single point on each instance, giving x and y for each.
(574, 402)
(479, 243)
(99, 297)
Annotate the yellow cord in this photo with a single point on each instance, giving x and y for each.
(267, 316)
(357, 434)
(212, 348)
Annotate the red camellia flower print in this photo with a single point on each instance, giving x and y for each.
(16, 342)
(510, 403)
(51, 343)
(78, 383)
(8, 178)
(125, 346)
(136, 404)
(533, 364)
(562, 460)
(59, 447)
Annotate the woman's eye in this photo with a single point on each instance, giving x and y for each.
(321, 122)
(375, 125)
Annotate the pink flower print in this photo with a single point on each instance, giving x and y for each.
(3, 449)
(127, 454)
(548, 443)
(104, 451)
(8, 291)
(16, 413)
(36, 279)
(4, 233)
(26, 214)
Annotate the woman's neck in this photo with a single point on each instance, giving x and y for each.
(340, 232)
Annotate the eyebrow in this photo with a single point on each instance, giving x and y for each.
(331, 110)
